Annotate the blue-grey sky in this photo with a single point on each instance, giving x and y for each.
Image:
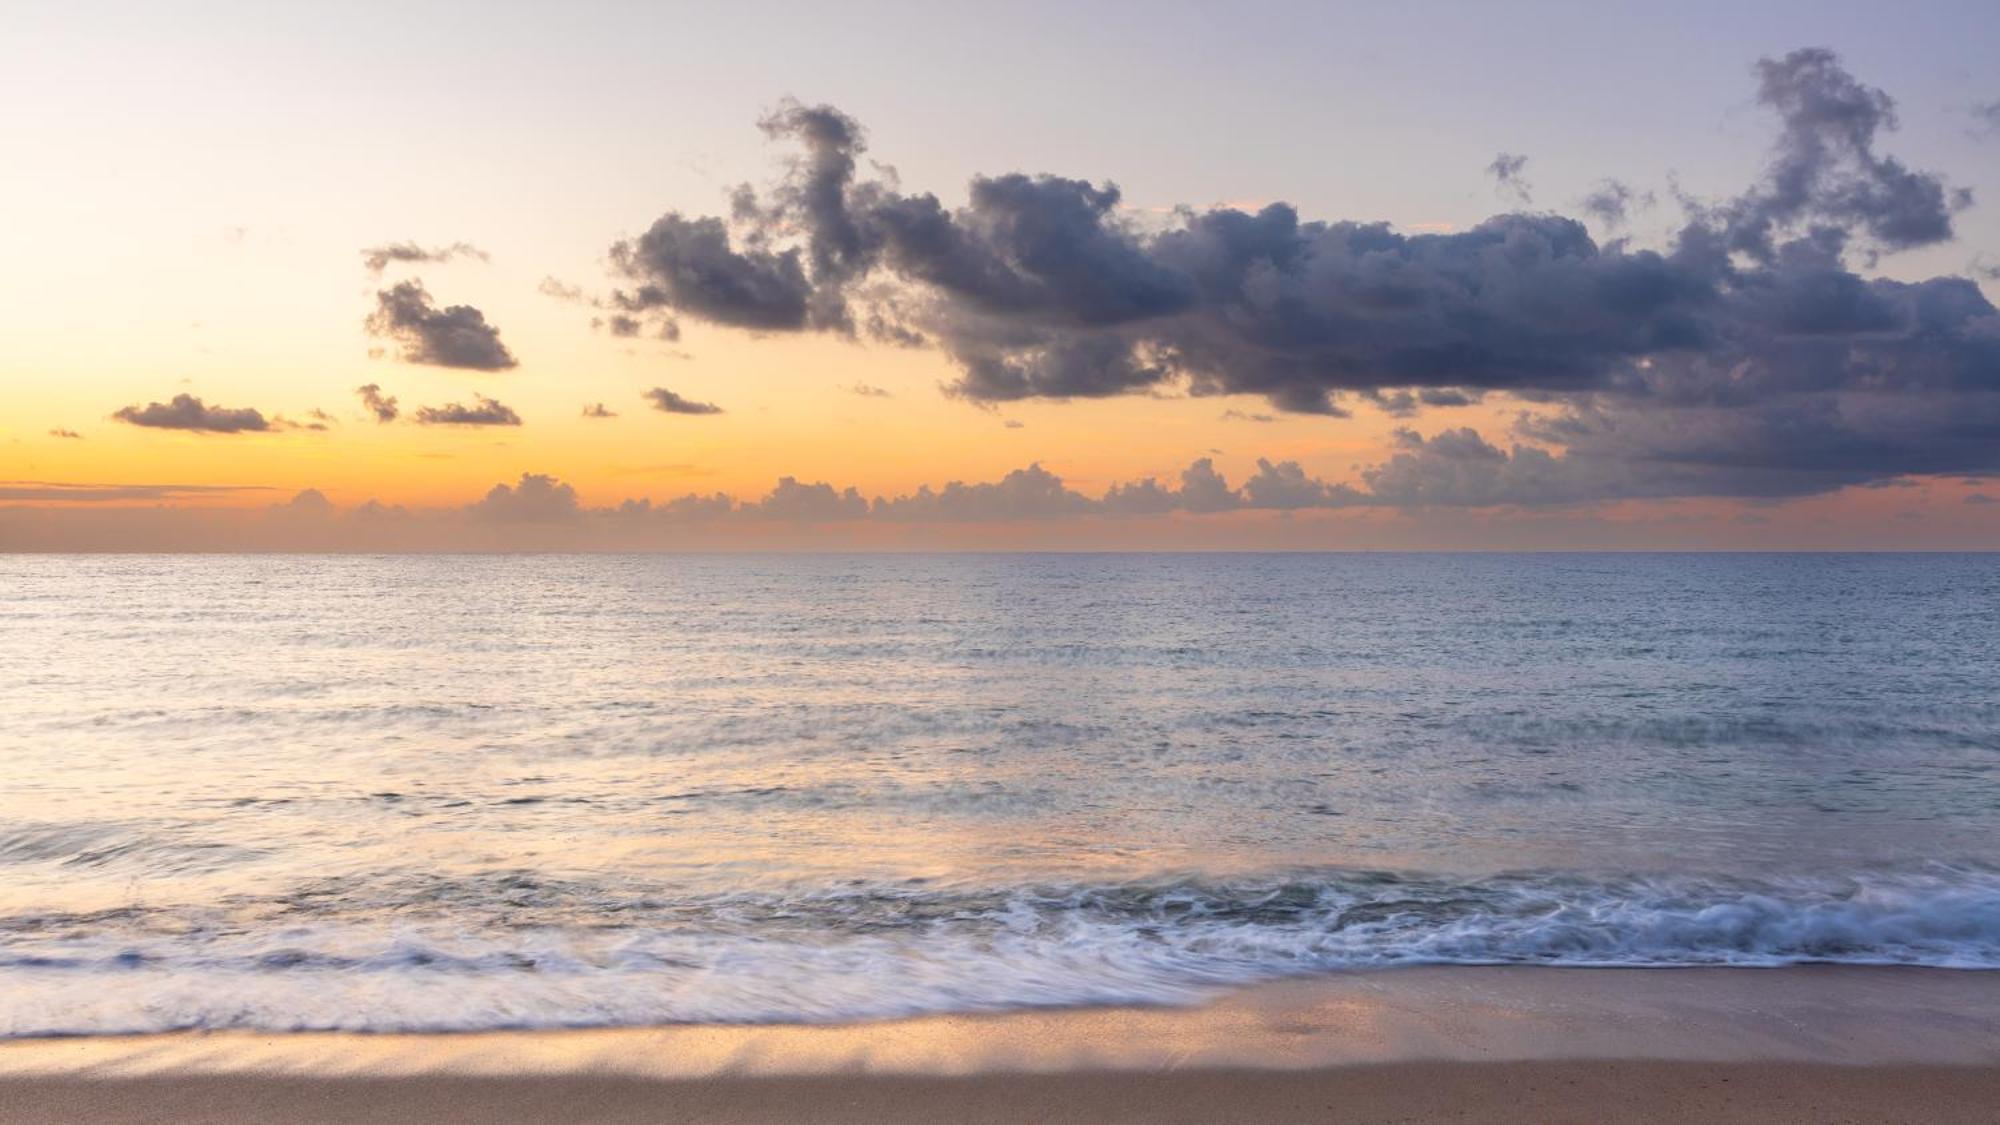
(1350, 110)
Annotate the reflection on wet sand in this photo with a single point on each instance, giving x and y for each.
(1840, 1015)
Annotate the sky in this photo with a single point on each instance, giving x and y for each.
(1147, 276)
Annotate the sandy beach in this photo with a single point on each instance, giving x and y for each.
(1804, 1044)
(1404, 1092)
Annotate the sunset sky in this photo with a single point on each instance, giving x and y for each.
(1429, 275)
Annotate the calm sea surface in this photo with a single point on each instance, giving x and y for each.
(473, 792)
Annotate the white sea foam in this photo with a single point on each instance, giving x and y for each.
(876, 952)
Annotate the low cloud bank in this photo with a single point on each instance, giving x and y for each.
(1450, 489)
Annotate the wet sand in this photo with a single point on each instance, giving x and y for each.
(1811, 1044)
(1589, 1091)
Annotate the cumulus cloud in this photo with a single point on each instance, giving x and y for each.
(671, 403)
(1030, 493)
(62, 433)
(1285, 486)
(536, 498)
(1454, 468)
(186, 412)
(808, 503)
(598, 410)
(1033, 493)
(378, 258)
(308, 503)
(1459, 468)
(1747, 355)
(454, 336)
(483, 412)
(692, 508)
(382, 406)
(1202, 489)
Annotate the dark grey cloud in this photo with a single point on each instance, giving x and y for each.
(688, 266)
(1240, 416)
(1986, 117)
(1407, 404)
(1507, 170)
(62, 433)
(668, 402)
(1824, 169)
(817, 189)
(1083, 366)
(454, 336)
(882, 329)
(382, 406)
(1746, 355)
(483, 412)
(599, 410)
(1039, 288)
(186, 412)
(378, 258)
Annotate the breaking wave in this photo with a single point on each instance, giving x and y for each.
(513, 951)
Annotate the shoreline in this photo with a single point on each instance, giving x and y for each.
(1498, 1044)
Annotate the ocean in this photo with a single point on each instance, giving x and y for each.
(417, 793)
